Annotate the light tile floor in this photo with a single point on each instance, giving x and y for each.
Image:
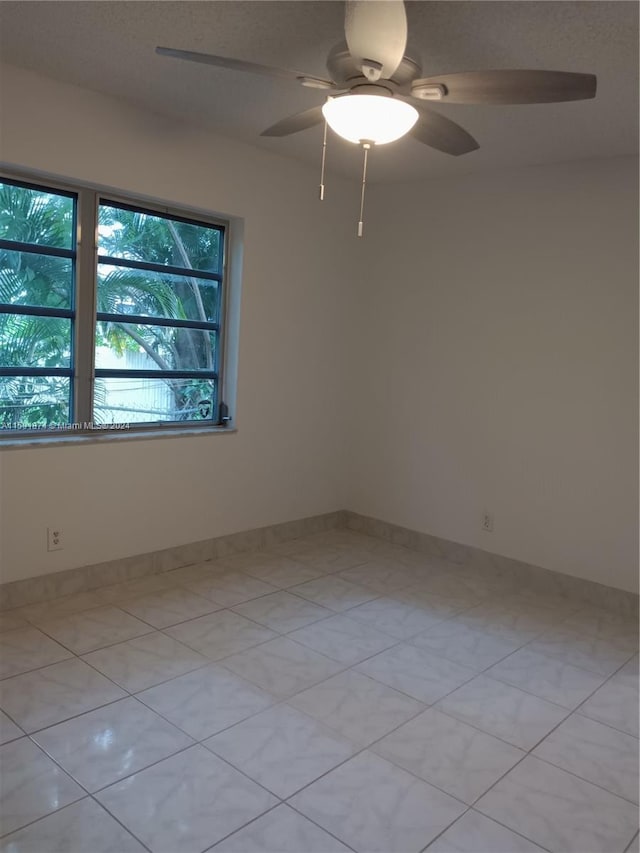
(329, 694)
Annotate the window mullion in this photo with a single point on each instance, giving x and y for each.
(85, 305)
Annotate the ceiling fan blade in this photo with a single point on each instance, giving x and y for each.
(251, 67)
(376, 30)
(295, 123)
(436, 131)
(510, 87)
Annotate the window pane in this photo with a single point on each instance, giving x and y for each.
(122, 400)
(27, 402)
(154, 294)
(36, 216)
(38, 280)
(127, 346)
(141, 236)
(31, 341)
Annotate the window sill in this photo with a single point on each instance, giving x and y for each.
(107, 436)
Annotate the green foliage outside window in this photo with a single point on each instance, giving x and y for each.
(46, 281)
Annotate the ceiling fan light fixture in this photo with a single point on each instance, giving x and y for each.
(376, 119)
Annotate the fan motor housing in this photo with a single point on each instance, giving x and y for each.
(343, 70)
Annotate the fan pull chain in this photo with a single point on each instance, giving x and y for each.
(324, 157)
(366, 146)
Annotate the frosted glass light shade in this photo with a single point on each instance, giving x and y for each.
(369, 118)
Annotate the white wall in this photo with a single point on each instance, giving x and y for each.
(499, 357)
(477, 349)
(284, 462)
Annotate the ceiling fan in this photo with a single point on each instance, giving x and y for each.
(376, 94)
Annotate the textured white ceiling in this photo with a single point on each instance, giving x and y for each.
(109, 47)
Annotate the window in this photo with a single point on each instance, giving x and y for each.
(158, 297)
(122, 330)
(37, 296)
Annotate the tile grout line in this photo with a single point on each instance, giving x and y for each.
(118, 821)
(525, 755)
(213, 846)
(83, 796)
(285, 800)
(284, 701)
(529, 754)
(217, 608)
(577, 776)
(569, 713)
(503, 825)
(86, 795)
(368, 746)
(497, 737)
(133, 692)
(93, 794)
(31, 734)
(70, 656)
(628, 849)
(406, 641)
(575, 710)
(485, 673)
(390, 593)
(196, 742)
(99, 648)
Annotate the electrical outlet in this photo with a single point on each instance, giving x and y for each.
(487, 521)
(54, 539)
